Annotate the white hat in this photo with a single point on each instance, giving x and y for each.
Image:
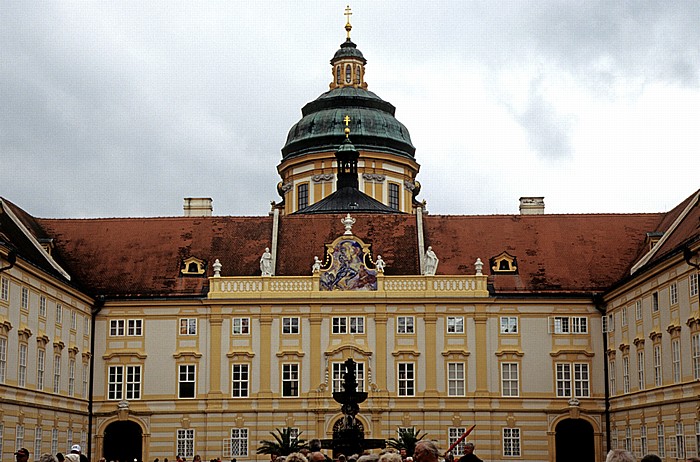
(75, 447)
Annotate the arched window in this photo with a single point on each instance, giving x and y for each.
(348, 73)
(357, 74)
(337, 74)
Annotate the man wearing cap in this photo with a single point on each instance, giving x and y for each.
(75, 449)
(22, 455)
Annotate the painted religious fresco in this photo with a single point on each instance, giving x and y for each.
(347, 269)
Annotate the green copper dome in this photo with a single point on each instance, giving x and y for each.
(374, 127)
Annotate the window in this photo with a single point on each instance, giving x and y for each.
(186, 381)
(455, 325)
(240, 326)
(239, 442)
(697, 436)
(509, 379)
(73, 319)
(290, 325)
(303, 196)
(611, 371)
(22, 366)
(42, 306)
(188, 326)
(640, 370)
(339, 371)
(673, 293)
(133, 382)
(643, 447)
(511, 442)
(406, 382)
(626, 374)
(185, 443)
(580, 380)
(85, 380)
(117, 383)
(37, 441)
(695, 345)
(69, 437)
(71, 377)
(239, 380)
(134, 327)
(54, 441)
(680, 440)
(628, 439)
(676, 364)
(658, 377)
(290, 380)
(356, 323)
(404, 325)
(40, 368)
(509, 325)
(453, 434)
(19, 436)
(59, 313)
(340, 325)
(692, 283)
(563, 380)
(56, 373)
(4, 289)
(357, 74)
(25, 298)
(638, 310)
(348, 73)
(116, 327)
(3, 359)
(654, 302)
(394, 196)
(572, 325)
(86, 325)
(660, 443)
(623, 315)
(337, 75)
(455, 379)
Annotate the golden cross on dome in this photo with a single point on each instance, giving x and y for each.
(346, 119)
(348, 27)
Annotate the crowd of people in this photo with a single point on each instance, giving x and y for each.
(620, 455)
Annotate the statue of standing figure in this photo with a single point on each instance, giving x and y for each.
(266, 263)
(316, 267)
(431, 262)
(380, 264)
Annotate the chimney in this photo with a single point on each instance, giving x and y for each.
(198, 207)
(532, 206)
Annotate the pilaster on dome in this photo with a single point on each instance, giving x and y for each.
(348, 63)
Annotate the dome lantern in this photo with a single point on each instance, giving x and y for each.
(348, 63)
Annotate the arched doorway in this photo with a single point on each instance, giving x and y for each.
(122, 442)
(574, 441)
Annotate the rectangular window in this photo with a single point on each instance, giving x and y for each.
(572, 325)
(640, 370)
(394, 196)
(54, 441)
(85, 379)
(623, 315)
(695, 346)
(185, 443)
(680, 440)
(40, 368)
(240, 326)
(563, 380)
(290, 380)
(73, 319)
(676, 364)
(37, 441)
(86, 325)
(133, 382)
(453, 434)
(239, 442)
(25, 298)
(628, 439)
(134, 327)
(581, 380)
(3, 359)
(638, 310)
(455, 379)
(643, 441)
(673, 293)
(188, 326)
(4, 289)
(511, 442)
(455, 325)
(290, 325)
(340, 325)
(239, 380)
(509, 325)
(19, 436)
(116, 327)
(509, 379)
(697, 437)
(69, 438)
(692, 283)
(22, 369)
(626, 374)
(186, 381)
(71, 377)
(357, 325)
(115, 387)
(406, 379)
(654, 302)
(404, 325)
(59, 313)
(611, 372)
(339, 371)
(303, 196)
(42, 306)
(658, 377)
(56, 373)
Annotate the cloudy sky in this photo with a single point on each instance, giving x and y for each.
(125, 108)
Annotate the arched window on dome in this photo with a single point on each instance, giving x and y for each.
(348, 73)
(337, 75)
(357, 74)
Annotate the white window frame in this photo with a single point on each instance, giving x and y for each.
(40, 368)
(290, 380)
(673, 293)
(638, 310)
(611, 377)
(564, 380)
(623, 316)
(133, 378)
(695, 348)
(134, 327)
(337, 373)
(641, 366)
(625, 374)
(693, 284)
(42, 306)
(186, 378)
(188, 326)
(19, 436)
(291, 325)
(680, 440)
(4, 289)
(184, 442)
(406, 379)
(660, 441)
(405, 325)
(340, 325)
(348, 325)
(453, 434)
(57, 373)
(85, 379)
(239, 442)
(455, 324)
(73, 320)
(54, 440)
(658, 371)
(240, 380)
(38, 434)
(655, 302)
(115, 382)
(240, 326)
(510, 379)
(456, 379)
(582, 380)
(59, 313)
(117, 327)
(676, 359)
(356, 325)
(628, 439)
(511, 442)
(71, 377)
(24, 303)
(3, 359)
(509, 324)
(572, 325)
(22, 365)
(643, 440)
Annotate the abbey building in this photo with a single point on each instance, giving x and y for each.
(558, 336)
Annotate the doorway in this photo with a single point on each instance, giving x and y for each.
(122, 442)
(574, 441)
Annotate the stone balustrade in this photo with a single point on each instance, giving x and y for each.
(252, 287)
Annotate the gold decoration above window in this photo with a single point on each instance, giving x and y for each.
(192, 266)
(504, 263)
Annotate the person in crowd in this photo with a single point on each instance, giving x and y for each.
(403, 453)
(47, 458)
(72, 457)
(693, 459)
(469, 455)
(651, 458)
(76, 449)
(60, 457)
(296, 457)
(197, 458)
(316, 456)
(620, 455)
(426, 451)
(390, 457)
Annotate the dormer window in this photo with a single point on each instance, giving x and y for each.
(193, 266)
(504, 263)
